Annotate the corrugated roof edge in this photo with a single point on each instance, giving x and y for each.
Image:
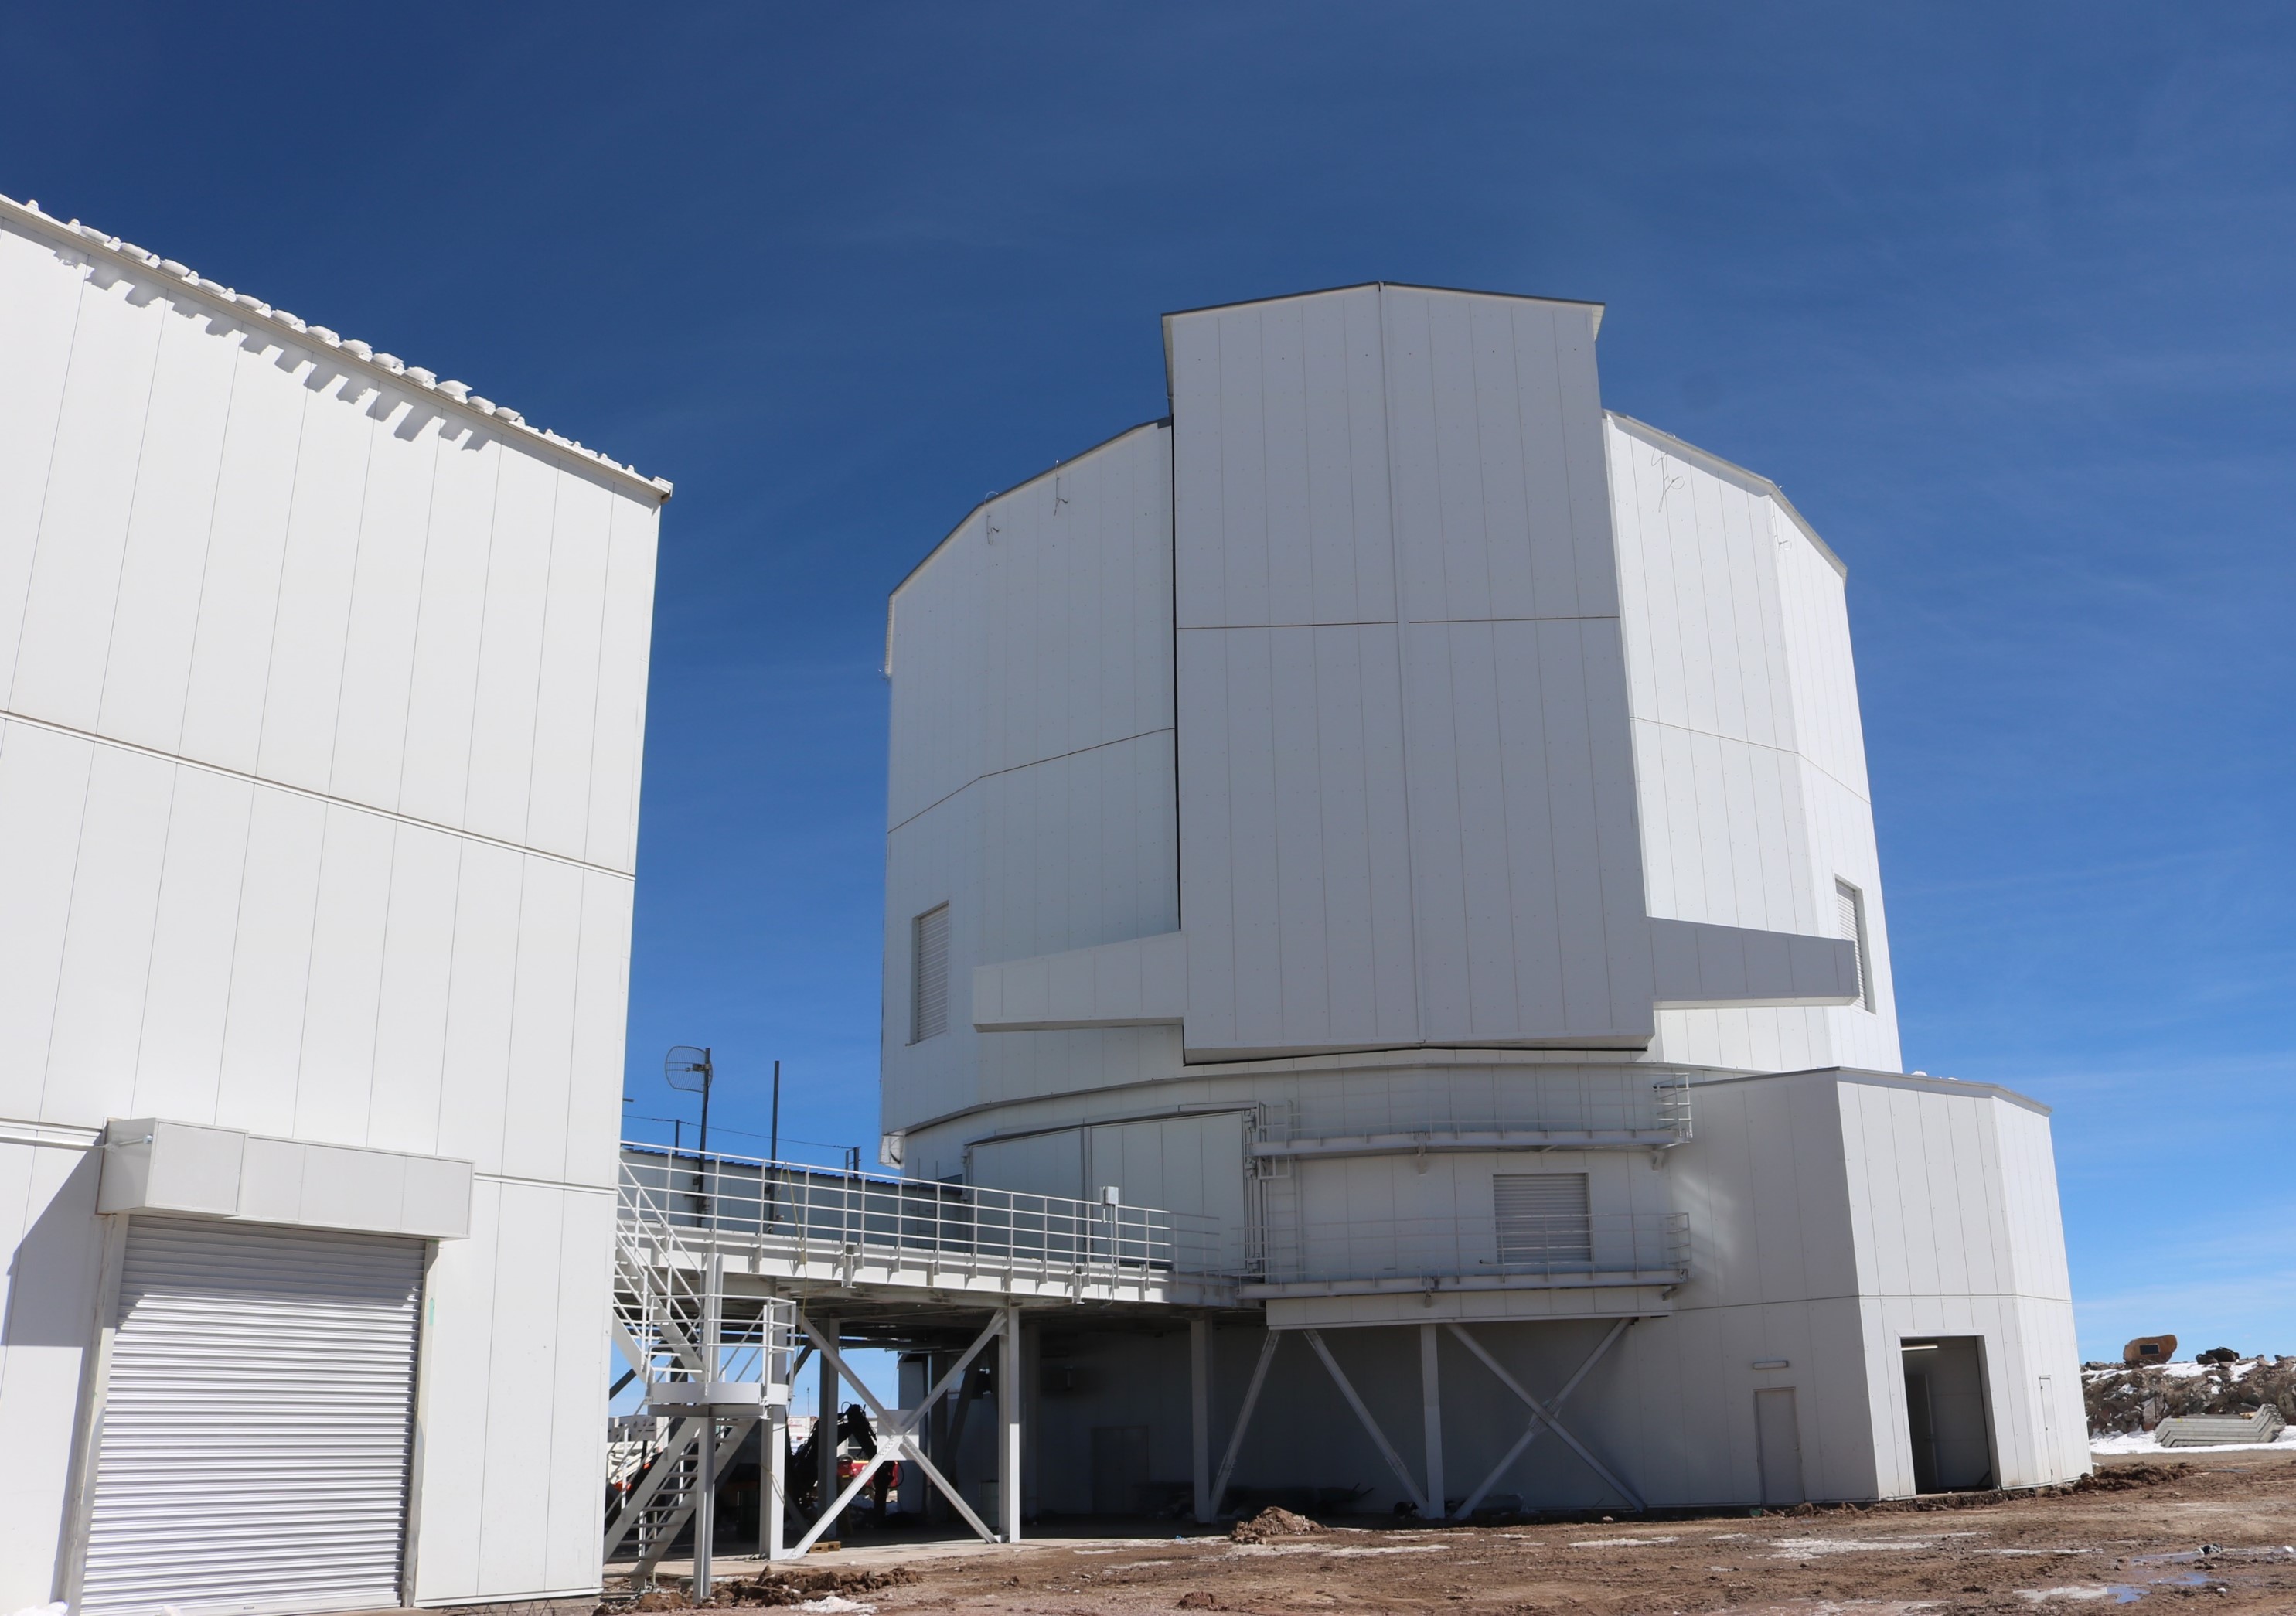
(942, 543)
(243, 306)
(1889, 1079)
(1753, 482)
(1324, 291)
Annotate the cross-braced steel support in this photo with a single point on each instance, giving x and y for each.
(1386, 1448)
(1273, 1340)
(898, 1433)
(1542, 1418)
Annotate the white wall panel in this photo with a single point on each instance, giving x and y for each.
(147, 673)
(44, 779)
(479, 1005)
(334, 1085)
(39, 309)
(107, 942)
(521, 1376)
(271, 964)
(386, 598)
(537, 1095)
(461, 1326)
(91, 487)
(443, 685)
(510, 651)
(247, 543)
(303, 692)
(54, 1243)
(566, 699)
(625, 638)
(1501, 503)
(579, 1366)
(179, 1060)
(1031, 787)
(601, 1020)
(1742, 691)
(1042, 626)
(1298, 423)
(410, 1032)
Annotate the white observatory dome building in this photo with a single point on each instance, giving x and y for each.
(1415, 822)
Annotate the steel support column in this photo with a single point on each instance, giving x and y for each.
(1200, 1414)
(1009, 1427)
(824, 1432)
(1431, 1414)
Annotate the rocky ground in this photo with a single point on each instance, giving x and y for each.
(2123, 1400)
(2216, 1533)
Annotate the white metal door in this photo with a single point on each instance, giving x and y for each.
(1777, 1436)
(257, 1421)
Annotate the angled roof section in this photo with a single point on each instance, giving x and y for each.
(1295, 297)
(349, 351)
(1729, 472)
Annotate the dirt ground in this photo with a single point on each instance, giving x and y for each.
(2211, 1533)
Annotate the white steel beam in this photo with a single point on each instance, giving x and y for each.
(1244, 1421)
(1386, 1448)
(1542, 1417)
(776, 1506)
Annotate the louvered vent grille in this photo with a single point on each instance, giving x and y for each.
(1543, 1221)
(929, 990)
(1850, 906)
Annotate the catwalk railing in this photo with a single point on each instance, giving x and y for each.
(786, 1214)
(1403, 1253)
(1603, 1109)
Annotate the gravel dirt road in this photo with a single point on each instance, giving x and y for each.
(2215, 1534)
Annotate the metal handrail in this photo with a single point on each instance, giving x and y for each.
(1554, 1249)
(1623, 1106)
(809, 1214)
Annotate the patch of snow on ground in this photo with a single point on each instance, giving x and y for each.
(1805, 1548)
(2147, 1441)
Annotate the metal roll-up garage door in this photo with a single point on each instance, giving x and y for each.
(257, 1421)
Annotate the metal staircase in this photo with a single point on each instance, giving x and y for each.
(708, 1377)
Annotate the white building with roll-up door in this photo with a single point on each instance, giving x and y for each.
(322, 693)
(1418, 817)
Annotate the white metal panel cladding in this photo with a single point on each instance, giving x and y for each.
(257, 1421)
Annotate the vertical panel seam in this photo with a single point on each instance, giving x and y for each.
(1402, 678)
(48, 481)
(207, 552)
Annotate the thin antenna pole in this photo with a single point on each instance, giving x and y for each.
(709, 1076)
(774, 1140)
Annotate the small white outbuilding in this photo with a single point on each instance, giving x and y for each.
(322, 694)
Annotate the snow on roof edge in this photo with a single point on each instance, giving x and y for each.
(244, 305)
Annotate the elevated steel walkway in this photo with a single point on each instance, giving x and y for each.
(732, 1272)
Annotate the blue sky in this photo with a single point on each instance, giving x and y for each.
(2000, 294)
